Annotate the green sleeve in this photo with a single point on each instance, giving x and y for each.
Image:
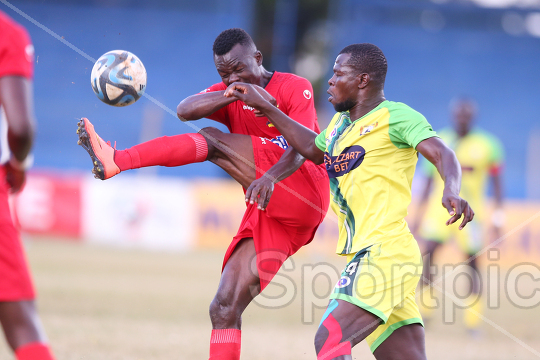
(408, 127)
(320, 140)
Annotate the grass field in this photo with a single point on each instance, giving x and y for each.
(103, 303)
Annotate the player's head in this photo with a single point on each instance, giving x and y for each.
(463, 113)
(236, 57)
(357, 67)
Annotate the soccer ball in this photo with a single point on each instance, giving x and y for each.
(118, 78)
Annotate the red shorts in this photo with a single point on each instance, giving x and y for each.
(15, 281)
(295, 211)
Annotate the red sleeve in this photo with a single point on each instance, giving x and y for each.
(222, 115)
(16, 51)
(495, 170)
(300, 105)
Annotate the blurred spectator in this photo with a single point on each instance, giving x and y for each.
(481, 157)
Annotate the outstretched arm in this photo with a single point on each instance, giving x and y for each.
(197, 106)
(444, 159)
(297, 135)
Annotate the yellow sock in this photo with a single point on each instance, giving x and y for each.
(472, 314)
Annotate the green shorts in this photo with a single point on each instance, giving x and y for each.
(382, 279)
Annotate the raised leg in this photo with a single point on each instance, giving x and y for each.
(231, 152)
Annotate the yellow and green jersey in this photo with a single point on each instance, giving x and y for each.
(480, 154)
(371, 163)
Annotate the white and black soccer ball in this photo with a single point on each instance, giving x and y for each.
(118, 78)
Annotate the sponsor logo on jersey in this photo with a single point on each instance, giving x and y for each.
(343, 282)
(247, 107)
(366, 129)
(349, 159)
(307, 94)
(278, 140)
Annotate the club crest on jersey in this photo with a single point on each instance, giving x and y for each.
(349, 159)
(366, 129)
(269, 124)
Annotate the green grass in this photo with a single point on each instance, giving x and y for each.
(103, 303)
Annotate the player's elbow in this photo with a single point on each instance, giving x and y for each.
(318, 159)
(182, 112)
(22, 127)
(20, 141)
(315, 155)
(185, 112)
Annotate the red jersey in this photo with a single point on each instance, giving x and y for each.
(294, 96)
(16, 58)
(16, 50)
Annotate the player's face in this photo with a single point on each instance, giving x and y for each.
(343, 88)
(241, 64)
(463, 117)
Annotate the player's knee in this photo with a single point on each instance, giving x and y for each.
(211, 133)
(222, 311)
(212, 136)
(329, 342)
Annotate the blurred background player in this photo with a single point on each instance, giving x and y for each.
(481, 157)
(253, 149)
(18, 315)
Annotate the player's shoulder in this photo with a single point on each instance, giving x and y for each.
(289, 77)
(216, 87)
(290, 88)
(482, 135)
(291, 82)
(396, 107)
(400, 112)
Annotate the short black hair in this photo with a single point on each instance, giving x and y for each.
(230, 37)
(367, 58)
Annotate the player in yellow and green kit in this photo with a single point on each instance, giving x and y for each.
(370, 152)
(481, 157)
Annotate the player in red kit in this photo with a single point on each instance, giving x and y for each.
(18, 314)
(257, 157)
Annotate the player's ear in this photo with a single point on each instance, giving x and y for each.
(258, 58)
(363, 80)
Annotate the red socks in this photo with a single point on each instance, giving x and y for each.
(333, 346)
(165, 151)
(225, 344)
(34, 351)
